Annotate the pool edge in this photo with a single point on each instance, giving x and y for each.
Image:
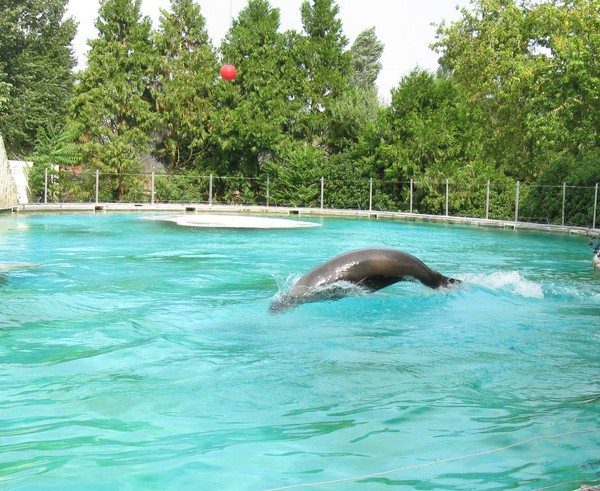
(297, 211)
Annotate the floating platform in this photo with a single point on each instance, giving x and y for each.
(232, 221)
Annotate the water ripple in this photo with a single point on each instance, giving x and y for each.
(142, 357)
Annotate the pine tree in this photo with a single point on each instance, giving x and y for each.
(358, 106)
(253, 110)
(366, 53)
(184, 84)
(326, 63)
(112, 106)
(36, 60)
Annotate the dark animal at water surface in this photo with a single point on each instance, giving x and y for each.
(372, 269)
(595, 245)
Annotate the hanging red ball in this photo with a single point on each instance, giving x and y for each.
(228, 72)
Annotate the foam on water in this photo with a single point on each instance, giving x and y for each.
(347, 287)
(509, 281)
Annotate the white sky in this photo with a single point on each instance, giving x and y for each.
(403, 26)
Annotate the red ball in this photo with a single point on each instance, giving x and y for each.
(228, 72)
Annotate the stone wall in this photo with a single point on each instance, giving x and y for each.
(20, 170)
(8, 188)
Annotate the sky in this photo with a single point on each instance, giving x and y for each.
(403, 26)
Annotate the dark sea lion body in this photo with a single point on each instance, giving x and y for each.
(372, 269)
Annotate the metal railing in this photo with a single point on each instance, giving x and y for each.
(561, 204)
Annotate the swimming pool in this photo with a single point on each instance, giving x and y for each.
(140, 354)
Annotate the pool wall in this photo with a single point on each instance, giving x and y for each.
(298, 211)
(8, 187)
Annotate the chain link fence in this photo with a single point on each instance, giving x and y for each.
(562, 204)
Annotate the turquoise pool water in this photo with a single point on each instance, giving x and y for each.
(140, 355)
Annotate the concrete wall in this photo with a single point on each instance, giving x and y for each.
(8, 188)
(19, 170)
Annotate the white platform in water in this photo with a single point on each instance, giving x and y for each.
(232, 221)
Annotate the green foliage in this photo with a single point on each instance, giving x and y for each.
(181, 188)
(503, 199)
(565, 110)
(55, 154)
(4, 94)
(183, 86)
(35, 69)
(544, 200)
(326, 65)
(488, 54)
(347, 182)
(237, 190)
(351, 113)
(431, 129)
(366, 54)
(112, 107)
(119, 161)
(358, 106)
(530, 75)
(252, 111)
(516, 98)
(295, 180)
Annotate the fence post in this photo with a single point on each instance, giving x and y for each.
(45, 186)
(322, 190)
(152, 195)
(595, 206)
(564, 201)
(517, 202)
(268, 183)
(487, 201)
(97, 184)
(411, 196)
(447, 197)
(371, 194)
(210, 189)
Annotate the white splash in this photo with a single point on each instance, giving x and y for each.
(344, 288)
(284, 284)
(511, 281)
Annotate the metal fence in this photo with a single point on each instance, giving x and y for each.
(561, 204)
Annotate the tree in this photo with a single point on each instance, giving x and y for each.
(4, 93)
(530, 71)
(296, 176)
(112, 106)
(36, 60)
(543, 201)
(358, 106)
(253, 110)
(488, 53)
(565, 110)
(326, 65)
(55, 152)
(366, 54)
(350, 114)
(184, 84)
(427, 133)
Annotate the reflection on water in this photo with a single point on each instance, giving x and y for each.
(138, 356)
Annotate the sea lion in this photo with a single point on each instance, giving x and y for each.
(372, 269)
